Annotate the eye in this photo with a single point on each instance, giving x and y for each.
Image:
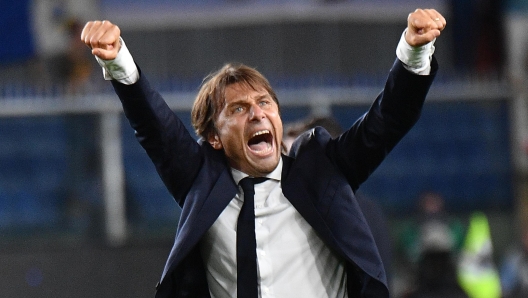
(238, 109)
(264, 102)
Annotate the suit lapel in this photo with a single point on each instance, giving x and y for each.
(222, 193)
(311, 184)
(303, 201)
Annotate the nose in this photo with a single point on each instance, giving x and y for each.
(256, 112)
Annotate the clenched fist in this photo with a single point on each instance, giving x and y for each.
(423, 26)
(103, 38)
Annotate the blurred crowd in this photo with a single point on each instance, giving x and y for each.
(448, 255)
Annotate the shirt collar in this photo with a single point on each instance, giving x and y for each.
(275, 174)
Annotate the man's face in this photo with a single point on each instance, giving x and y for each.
(249, 129)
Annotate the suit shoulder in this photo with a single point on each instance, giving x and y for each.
(313, 139)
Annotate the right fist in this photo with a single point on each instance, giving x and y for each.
(103, 38)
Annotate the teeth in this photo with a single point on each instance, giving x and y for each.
(258, 133)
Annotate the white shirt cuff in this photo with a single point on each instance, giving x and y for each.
(415, 59)
(122, 69)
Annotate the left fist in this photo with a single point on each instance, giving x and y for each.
(423, 26)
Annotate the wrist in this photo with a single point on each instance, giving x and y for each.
(122, 68)
(416, 59)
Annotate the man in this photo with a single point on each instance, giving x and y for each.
(310, 237)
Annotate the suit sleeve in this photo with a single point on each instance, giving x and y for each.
(174, 152)
(361, 148)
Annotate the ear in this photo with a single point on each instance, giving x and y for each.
(215, 142)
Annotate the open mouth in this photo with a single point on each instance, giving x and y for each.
(261, 142)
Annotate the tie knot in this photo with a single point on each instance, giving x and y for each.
(248, 183)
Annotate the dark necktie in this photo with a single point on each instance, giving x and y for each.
(247, 283)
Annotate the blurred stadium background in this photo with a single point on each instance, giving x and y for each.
(82, 211)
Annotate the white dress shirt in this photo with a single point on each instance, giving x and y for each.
(292, 260)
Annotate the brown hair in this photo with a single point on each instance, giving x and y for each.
(211, 97)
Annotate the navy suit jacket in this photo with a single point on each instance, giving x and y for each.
(319, 178)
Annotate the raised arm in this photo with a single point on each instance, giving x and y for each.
(174, 152)
(360, 150)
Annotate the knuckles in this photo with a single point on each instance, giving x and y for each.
(97, 32)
